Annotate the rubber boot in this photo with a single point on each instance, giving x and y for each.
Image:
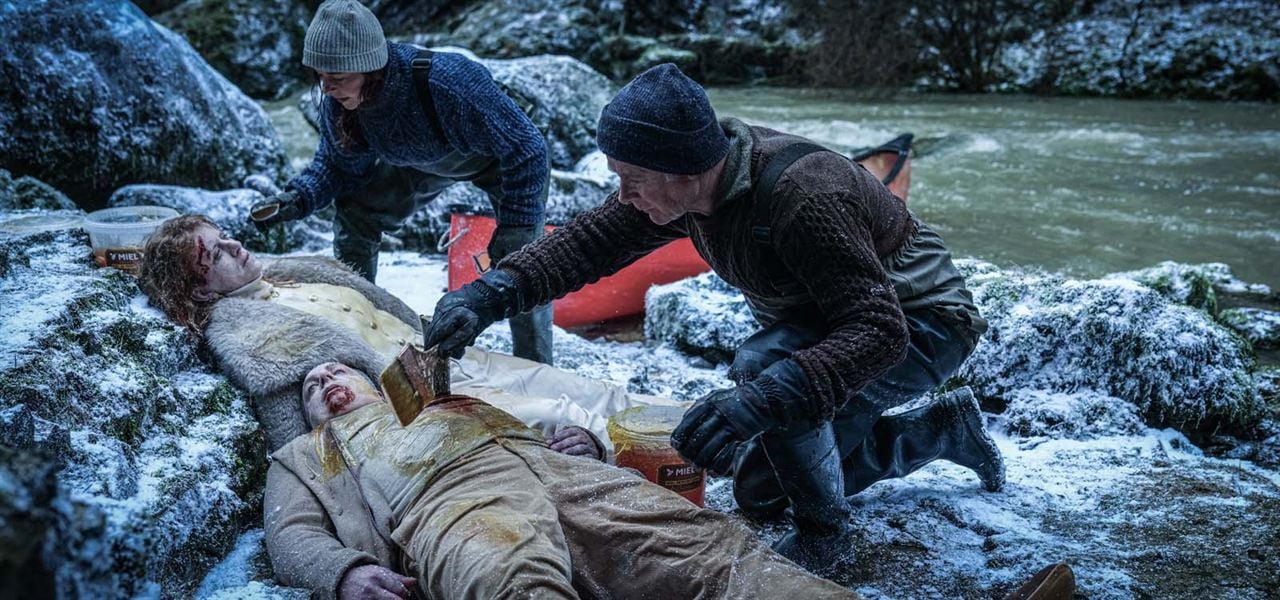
(949, 428)
(807, 464)
(531, 334)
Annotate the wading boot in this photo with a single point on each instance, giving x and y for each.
(949, 428)
(822, 538)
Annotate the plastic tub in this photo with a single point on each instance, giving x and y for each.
(118, 235)
(642, 439)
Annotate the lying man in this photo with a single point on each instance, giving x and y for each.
(860, 306)
(267, 323)
(467, 502)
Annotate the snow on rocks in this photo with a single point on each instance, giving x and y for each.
(1112, 336)
(702, 315)
(1196, 285)
(230, 210)
(109, 98)
(28, 193)
(1080, 415)
(1258, 325)
(257, 44)
(159, 457)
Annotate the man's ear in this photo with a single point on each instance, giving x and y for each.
(202, 294)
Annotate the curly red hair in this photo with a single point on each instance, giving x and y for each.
(169, 277)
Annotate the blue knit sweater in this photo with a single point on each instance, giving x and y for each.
(477, 118)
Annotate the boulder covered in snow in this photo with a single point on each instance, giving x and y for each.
(1079, 415)
(160, 462)
(1196, 285)
(702, 315)
(109, 98)
(1210, 50)
(1112, 336)
(29, 193)
(1258, 325)
(230, 210)
(257, 44)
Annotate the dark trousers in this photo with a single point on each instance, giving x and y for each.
(936, 350)
(391, 197)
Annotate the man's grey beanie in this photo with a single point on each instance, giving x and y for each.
(344, 37)
(662, 121)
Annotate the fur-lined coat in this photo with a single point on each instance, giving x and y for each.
(267, 349)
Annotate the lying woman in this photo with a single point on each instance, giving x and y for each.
(268, 323)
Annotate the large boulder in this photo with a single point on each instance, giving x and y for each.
(702, 315)
(1112, 336)
(28, 193)
(230, 210)
(1210, 50)
(257, 44)
(1195, 285)
(109, 98)
(160, 462)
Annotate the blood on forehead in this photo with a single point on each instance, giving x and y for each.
(202, 253)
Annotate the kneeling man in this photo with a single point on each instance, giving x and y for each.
(467, 502)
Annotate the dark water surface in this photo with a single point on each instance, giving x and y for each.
(1085, 186)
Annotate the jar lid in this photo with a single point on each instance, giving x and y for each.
(649, 421)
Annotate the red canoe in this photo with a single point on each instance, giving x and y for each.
(622, 294)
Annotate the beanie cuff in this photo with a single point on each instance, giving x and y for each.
(659, 149)
(365, 62)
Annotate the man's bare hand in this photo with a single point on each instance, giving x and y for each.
(368, 582)
(575, 441)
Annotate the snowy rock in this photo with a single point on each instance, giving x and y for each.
(257, 44)
(22, 193)
(230, 210)
(160, 458)
(701, 315)
(1113, 336)
(1211, 50)
(109, 98)
(1196, 285)
(1081, 415)
(244, 575)
(1258, 325)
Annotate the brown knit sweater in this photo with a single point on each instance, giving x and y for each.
(832, 224)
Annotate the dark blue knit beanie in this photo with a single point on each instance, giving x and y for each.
(662, 121)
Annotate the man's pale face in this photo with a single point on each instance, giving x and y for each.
(225, 265)
(334, 389)
(663, 197)
(343, 87)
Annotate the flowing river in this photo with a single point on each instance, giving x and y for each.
(1083, 186)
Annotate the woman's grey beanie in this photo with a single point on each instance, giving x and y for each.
(344, 37)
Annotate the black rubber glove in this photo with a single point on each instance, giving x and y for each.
(277, 208)
(509, 238)
(710, 432)
(463, 314)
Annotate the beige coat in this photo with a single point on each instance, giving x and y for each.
(469, 502)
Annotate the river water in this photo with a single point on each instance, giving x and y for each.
(1083, 186)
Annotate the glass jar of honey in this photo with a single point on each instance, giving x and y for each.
(642, 439)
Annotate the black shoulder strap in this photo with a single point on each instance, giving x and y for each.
(760, 230)
(421, 75)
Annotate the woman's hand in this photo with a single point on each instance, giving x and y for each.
(368, 582)
(576, 441)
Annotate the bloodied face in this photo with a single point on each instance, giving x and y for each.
(223, 263)
(333, 389)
